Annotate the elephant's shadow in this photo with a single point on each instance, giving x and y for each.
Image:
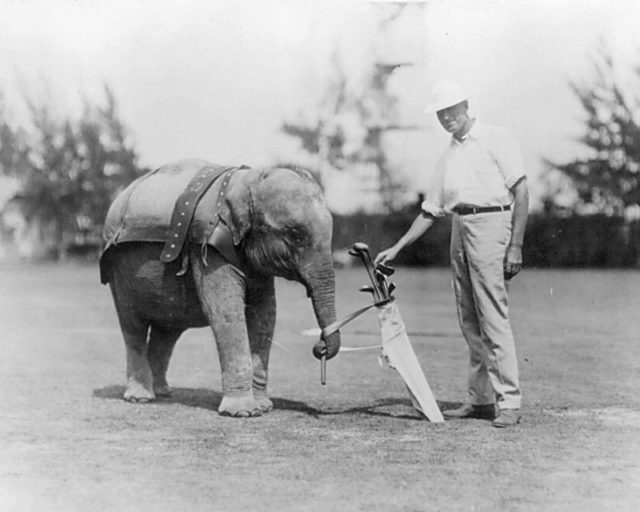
(191, 397)
(210, 399)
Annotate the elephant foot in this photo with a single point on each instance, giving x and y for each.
(162, 390)
(264, 402)
(137, 393)
(242, 406)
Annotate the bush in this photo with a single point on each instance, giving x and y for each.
(381, 231)
(588, 241)
(593, 241)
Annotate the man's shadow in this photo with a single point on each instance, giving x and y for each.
(209, 399)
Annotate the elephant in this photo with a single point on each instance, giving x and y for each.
(269, 222)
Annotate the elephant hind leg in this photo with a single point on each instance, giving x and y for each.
(162, 341)
(139, 377)
(135, 329)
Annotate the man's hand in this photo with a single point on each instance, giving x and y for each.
(512, 261)
(513, 256)
(418, 228)
(386, 256)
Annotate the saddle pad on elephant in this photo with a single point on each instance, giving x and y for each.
(161, 205)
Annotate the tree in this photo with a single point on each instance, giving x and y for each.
(70, 170)
(14, 150)
(607, 180)
(351, 122)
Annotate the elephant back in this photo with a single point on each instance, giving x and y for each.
(148, 202)
(150, 208)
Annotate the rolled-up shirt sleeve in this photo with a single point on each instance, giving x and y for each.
(432, 209)
(433, 205)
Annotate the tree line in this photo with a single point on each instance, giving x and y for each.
(70, 169)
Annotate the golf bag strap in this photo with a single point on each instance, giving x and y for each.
(335, 326)
(185, 207)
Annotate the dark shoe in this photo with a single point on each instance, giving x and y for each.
(507, 418)
(482, 412)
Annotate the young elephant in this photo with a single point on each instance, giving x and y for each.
(259, 224)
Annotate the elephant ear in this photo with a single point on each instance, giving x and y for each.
(236, 213)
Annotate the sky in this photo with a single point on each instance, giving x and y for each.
(215, 79)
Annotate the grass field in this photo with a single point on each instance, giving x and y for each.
(69, 443)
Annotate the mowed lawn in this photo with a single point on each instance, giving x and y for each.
(69, 443)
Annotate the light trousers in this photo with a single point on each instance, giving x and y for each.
(478, 247)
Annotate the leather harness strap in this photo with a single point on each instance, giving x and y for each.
(185, 207)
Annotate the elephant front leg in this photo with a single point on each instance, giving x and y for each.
(221, 289)
(161, 344)
(235, 363)
(261, 320)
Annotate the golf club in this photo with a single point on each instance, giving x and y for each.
(361, 250)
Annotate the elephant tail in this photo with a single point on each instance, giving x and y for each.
(105, 263)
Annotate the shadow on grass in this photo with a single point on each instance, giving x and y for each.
(209, 399)
(191, 397)
(400, 408)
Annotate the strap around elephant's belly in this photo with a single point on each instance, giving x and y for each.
(185, 207)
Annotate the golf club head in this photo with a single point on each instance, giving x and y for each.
(357, 254)
(368, 289)
(360, 247)
(385, 269)
(361, 250)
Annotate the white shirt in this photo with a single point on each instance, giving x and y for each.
(478, 171)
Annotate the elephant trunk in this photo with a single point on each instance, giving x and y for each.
(321, 285)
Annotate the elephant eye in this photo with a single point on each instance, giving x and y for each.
(297, 234)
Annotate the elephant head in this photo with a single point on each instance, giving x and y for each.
(280, 221)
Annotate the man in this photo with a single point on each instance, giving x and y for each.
(480, 180)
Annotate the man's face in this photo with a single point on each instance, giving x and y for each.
(454, 118)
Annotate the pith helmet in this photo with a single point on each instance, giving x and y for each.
(446, 94)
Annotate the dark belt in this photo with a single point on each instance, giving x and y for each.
(185, 208)
(468, 210)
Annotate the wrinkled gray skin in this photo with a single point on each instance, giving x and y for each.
(286, 231)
